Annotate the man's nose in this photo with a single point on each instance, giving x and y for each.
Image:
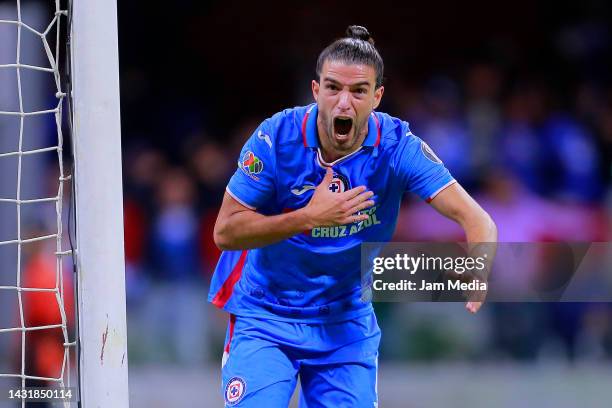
(344, 100)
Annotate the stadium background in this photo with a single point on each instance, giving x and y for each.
(515, 97)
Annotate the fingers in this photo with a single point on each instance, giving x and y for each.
(355, 218)
(343, 208)
(329, 175)
(360, 206)
(358, 203)
(354, 192)
(473, 307)
(355, 201)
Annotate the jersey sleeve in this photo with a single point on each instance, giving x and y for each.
(253, 183)
(419, 169)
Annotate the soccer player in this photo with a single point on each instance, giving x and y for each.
(312, 184)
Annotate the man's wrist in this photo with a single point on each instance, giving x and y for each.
(303, 219)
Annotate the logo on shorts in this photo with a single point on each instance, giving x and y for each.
(429, 153)
(251, 165)
(234, 390)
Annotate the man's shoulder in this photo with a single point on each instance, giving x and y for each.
(392, 129)
(286, 126)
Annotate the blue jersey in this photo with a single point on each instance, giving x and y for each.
(315, 276)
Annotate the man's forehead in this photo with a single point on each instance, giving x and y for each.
(347, 73)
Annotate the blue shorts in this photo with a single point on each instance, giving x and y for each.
(337, 363)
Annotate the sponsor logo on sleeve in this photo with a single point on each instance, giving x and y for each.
(251, 165)
(261, 135)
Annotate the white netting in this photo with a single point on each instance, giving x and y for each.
(52, 33)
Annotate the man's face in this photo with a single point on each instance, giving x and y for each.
(345, 97)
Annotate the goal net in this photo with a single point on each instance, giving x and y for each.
(36, 328)
(62, 324)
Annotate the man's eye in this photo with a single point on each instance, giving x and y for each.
(332, 87)
(362, 91)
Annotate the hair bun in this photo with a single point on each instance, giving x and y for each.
(360, 33)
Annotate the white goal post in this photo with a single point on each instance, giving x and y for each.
(99, 253)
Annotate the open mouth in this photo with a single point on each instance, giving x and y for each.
(342, 126)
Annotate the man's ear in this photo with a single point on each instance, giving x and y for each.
(378, 94)
(315, 90)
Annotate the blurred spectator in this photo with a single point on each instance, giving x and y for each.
(45, 347)
(135, 230)
(520, 148)
(212, 167)
(174, 232)
(483, 113)
(175, 305)
(577, 164)
(144, 167)
(444, 129)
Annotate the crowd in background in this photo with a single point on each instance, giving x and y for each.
(539, 165)
(515, 98)
(518, 105)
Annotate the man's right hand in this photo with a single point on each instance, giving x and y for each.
(327, 208)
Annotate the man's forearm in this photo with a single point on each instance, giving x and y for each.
(249, 229)
(240, 227)
(481, 235)
(480, 228)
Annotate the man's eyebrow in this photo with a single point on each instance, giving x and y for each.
(362, 83)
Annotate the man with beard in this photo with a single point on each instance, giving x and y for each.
(312, 184)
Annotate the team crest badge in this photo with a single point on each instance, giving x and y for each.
(429, 153)
(251, 165)
(339, 184)
(234, 390)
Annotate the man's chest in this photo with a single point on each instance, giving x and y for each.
(298, 178)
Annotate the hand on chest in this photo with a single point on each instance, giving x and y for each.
(297, 192)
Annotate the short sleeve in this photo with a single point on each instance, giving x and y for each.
(253, 183)
(418, 167)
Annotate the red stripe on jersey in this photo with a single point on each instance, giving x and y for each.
(231, 332)
(227, 289)
(304, 128)
(377, 130)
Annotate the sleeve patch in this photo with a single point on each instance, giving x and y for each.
(431, 156)
(251, 165)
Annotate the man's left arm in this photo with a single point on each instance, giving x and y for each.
(455, 203)
(423, 173)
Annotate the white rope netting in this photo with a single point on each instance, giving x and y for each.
(52, 31)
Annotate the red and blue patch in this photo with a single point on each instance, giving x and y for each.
(235, 390)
